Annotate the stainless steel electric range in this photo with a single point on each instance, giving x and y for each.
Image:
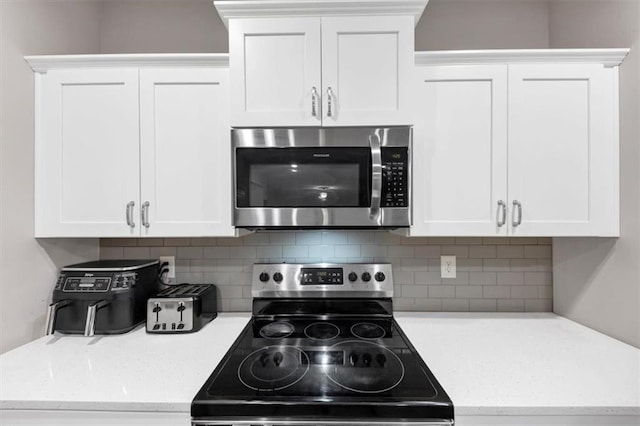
(322, 348)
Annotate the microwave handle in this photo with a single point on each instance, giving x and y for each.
(376, 173)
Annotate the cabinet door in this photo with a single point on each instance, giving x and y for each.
(460, 151)
(186, 152)
(87, 153)
(563, 154)
(275, 72)
(367, 64)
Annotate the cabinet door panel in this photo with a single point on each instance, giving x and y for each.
(459, 150)
(186, 152)
(275, 64)
(561, 150)
(367, 63)
(87, 153)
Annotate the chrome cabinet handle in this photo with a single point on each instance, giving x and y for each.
(50, 322)
(314, 102)
(376, 173)
(329, 102)
(145, 214)
(501, 214)
(130, 221)
(516, 206)
(90, 324)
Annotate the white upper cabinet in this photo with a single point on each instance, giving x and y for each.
(460, 151)
(329, 71)
(132, 146)
(516, 148)
(275, 72)
(563, 150)
(185, 152)
(87, 156)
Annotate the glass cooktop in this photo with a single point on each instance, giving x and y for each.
(310, 368)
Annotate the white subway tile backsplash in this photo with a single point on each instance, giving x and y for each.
(335, 237)
(215, 252)
(442, 291)
(135, 253)
(190, 252)
(493, 274)
(361, 237)
(348, 250)
(308, 238)
(510, 305)
(455, 305)
(483, 305)
(295, 251)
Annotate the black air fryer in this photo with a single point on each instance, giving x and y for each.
(102, 297)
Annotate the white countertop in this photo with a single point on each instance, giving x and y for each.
(489, 364)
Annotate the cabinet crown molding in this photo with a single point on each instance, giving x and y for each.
(43, 63)
(606, 57)
(230, 9)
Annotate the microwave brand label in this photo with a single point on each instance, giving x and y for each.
(88, 275)
(320, 155)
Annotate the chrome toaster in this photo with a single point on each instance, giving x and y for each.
(182, 308)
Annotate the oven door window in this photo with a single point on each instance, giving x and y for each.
(303, 177)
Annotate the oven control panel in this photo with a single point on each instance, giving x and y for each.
(395, 168)
(329, 280)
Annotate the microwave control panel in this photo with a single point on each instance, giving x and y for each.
(395, 167)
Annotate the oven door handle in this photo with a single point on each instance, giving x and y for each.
(376, 176)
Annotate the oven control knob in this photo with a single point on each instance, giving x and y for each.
(366, 360)
(380, 276)
(264, 277)
(366, 277)
(277, 277)
(353, 276)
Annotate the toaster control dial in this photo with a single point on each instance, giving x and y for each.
(277, 277)
(264, 277)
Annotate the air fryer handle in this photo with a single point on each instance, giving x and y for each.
(90, 325)
(50, 322)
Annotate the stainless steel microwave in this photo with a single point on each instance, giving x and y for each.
(356, 177)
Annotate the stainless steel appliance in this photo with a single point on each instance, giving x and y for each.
(102, 297)
(322, 348)
(357, 177)
(182, 308)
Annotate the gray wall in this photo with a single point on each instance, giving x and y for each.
(488, 24)
(597, 280)
(28, 268)
(494, 274)
(169, 26)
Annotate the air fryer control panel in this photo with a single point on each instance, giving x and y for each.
(395, 165)
(72, 282)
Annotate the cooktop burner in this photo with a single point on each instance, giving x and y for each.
(322, 347)
(322, 331)
(276, 330)
(273, 368)
(368, 368)
(367, 330)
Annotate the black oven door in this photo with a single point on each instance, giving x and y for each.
(315, 178)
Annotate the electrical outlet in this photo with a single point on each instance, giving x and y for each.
(447, 266)
(171, 260)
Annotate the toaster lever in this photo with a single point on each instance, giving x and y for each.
(50, 322)
(90, 325)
